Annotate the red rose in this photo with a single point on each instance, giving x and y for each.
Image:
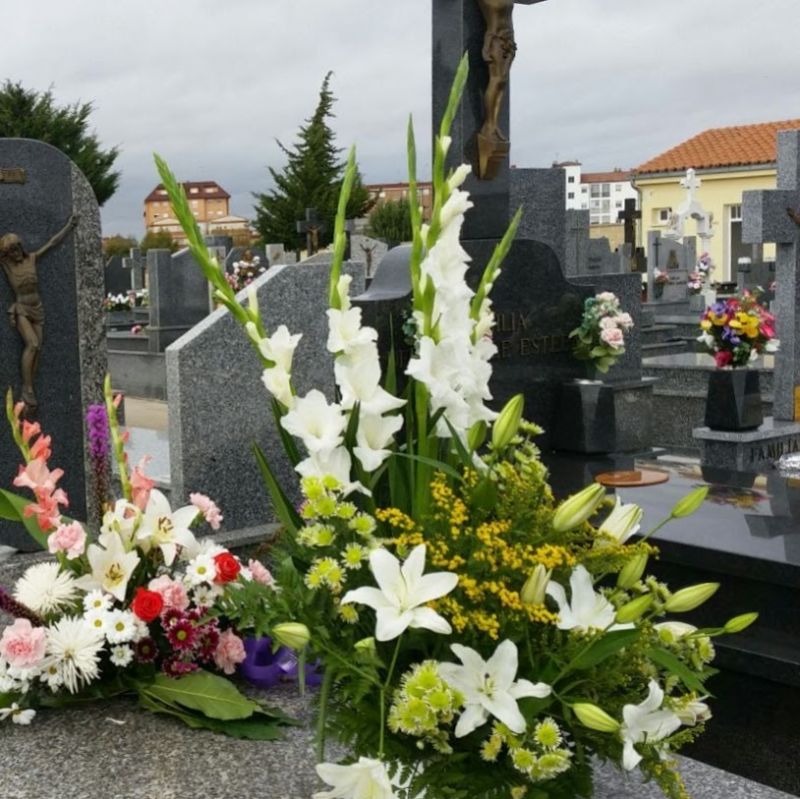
(723, 358)
(147, 604)
(228, 567)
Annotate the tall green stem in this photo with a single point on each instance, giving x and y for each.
(324, 696)
(384, 688)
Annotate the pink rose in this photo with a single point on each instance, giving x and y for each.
(172, 592)
(230, 652)
(208, 508)
(624, 321)
(69, 538)
(22, 644)
(261, 574)
(613, 337)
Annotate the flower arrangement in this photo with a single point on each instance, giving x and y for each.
(126, 302)
(131, 610)
(244, 272)
(738, 330)
(695, 283)
(600, 339)
(660, 278)
(702, 272)
(474, 638)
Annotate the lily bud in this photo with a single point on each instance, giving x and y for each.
(690, 503)
(476, 435)
(292, 634)
(739, 623)
(632, 571)
(533, 592)
(365, 645)
(507, 424)
(622, 522)
(578, 508)
(631, 611)
(690, 598)
(594, 717)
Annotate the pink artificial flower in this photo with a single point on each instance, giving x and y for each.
(141, 484)
(230, 652)
(608, 323)
(172, 592)
(261, 574)
(613, 337)
(208, 508)
(69, 538)
(624, 321)
(23, 645)
(606, 296)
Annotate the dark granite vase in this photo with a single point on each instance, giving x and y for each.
(734, 400)
(585, 421)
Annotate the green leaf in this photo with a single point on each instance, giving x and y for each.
(458, 444)
(673, 664)
(211, 695)
(289, 444)
(11, 508)
(283, 507)
(437, 464)
(604, 648)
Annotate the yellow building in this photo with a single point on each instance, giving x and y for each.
(728, 161)
(381, 193)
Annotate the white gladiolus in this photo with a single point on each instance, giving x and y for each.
(279, 383)
(319, 424)
(279, 347)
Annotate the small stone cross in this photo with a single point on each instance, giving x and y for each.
(629, 217)
(767, 217)
(312, 227)
(691, 183)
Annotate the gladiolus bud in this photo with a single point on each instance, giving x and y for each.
(578, 508)
(291, 634)
(690, 598)
(507, 424)
(476, 435)
(533, 592)
(632, 571)
(365, 645)
(739, 623)
(690, 503)
(594, 717)
(633, 610)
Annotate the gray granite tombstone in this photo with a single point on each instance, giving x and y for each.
(226, 242)
(675, 259)
(578, 242)
(600, 260)
(276, 254)
(41, 188)
(137, 266)
(756, 275)
(179, 296)
(117, 279)
(217, 405)
(369, 250)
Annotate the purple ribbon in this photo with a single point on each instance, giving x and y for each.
(265, 669)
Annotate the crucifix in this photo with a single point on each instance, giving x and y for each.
(769, 216)
(629, 217)
(312, 227)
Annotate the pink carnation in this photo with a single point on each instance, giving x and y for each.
(22, 644)
(261, 574)
(230, 652)
(613, 337)
(208, 508)
(172, 592)
(69, 538)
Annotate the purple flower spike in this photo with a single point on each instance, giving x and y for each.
(98, 432)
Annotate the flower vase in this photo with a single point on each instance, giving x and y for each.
(658, 291)
(733, 401)
(586, 420)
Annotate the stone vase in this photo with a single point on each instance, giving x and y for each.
(586, 420)
(697, 303)
(733, 401)
(658, 291)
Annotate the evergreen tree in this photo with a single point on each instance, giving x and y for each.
(311, 178)
(158, 240)
(30, 114)
(391, 221)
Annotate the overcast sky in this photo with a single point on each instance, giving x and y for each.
(211, 84)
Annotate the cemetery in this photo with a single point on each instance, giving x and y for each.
(256, 502)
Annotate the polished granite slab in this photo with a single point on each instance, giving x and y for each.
(702, 360)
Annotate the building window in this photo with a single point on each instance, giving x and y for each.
(571, 195)
(662, 215)
(619, 203)
(601, 190)
(584, 189)
(209, 190)
(571, 179)
(618, 187)
(194, 190)
(584, 205)
(736, 213)
(381, 194)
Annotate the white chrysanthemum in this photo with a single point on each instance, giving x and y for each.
(75, 649)
(44, 588)
(121, 627)
(98, 620)
(97, 601)
(121, 656)
(201, 569)
(51, 676)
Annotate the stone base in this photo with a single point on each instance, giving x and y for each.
(749, 451)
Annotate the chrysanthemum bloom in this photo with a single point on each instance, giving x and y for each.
(145, 650)
(182, 635)
(175, 667)
(75, 648)
(44, 588)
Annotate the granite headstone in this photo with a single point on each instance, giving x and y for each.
(675, 259)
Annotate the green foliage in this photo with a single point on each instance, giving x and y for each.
(158, 240)
(391, 221)
(118, 245)
(26, 113)
(11, 508)
(311, 178)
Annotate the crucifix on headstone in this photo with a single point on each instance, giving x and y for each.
(368, 253)
(629, 217)
(312, 227)
(772, 216)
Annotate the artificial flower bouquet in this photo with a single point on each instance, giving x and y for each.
(474, 639)
(705, 266)
(695, 282)
(737, 330)
(660, 278)
(244, 272)
(130, 610)
(600, 339)
(126, 302)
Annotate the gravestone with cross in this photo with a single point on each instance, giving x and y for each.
(56, 342)
(629, 216)
(669, 263)
(313, 228)
(774, 217)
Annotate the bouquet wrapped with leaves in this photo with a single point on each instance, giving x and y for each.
(135, 608)
(600, 339)
(738, 330)
(475, 638)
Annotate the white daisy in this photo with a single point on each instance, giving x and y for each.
(121, 656)
(44, 588)
(51, 676)
(204, 596)
(97, 600)
(98, 620)
(201, 569)
(121, 627)
(75, 648)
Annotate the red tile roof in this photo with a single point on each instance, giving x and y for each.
(740, 145)
(617, 176)
(218, 192)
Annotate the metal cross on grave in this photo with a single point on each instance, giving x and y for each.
(312, 227)
(774, 216)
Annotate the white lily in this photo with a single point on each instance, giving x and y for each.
(122, 520)
(162, 528)
(334, 463)
(366, 779)
(623, 522)
(399, 601)
(488, 687)
(587, 610)
(693, 711)
(319, 424)
(112, 567)
(645, 723)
